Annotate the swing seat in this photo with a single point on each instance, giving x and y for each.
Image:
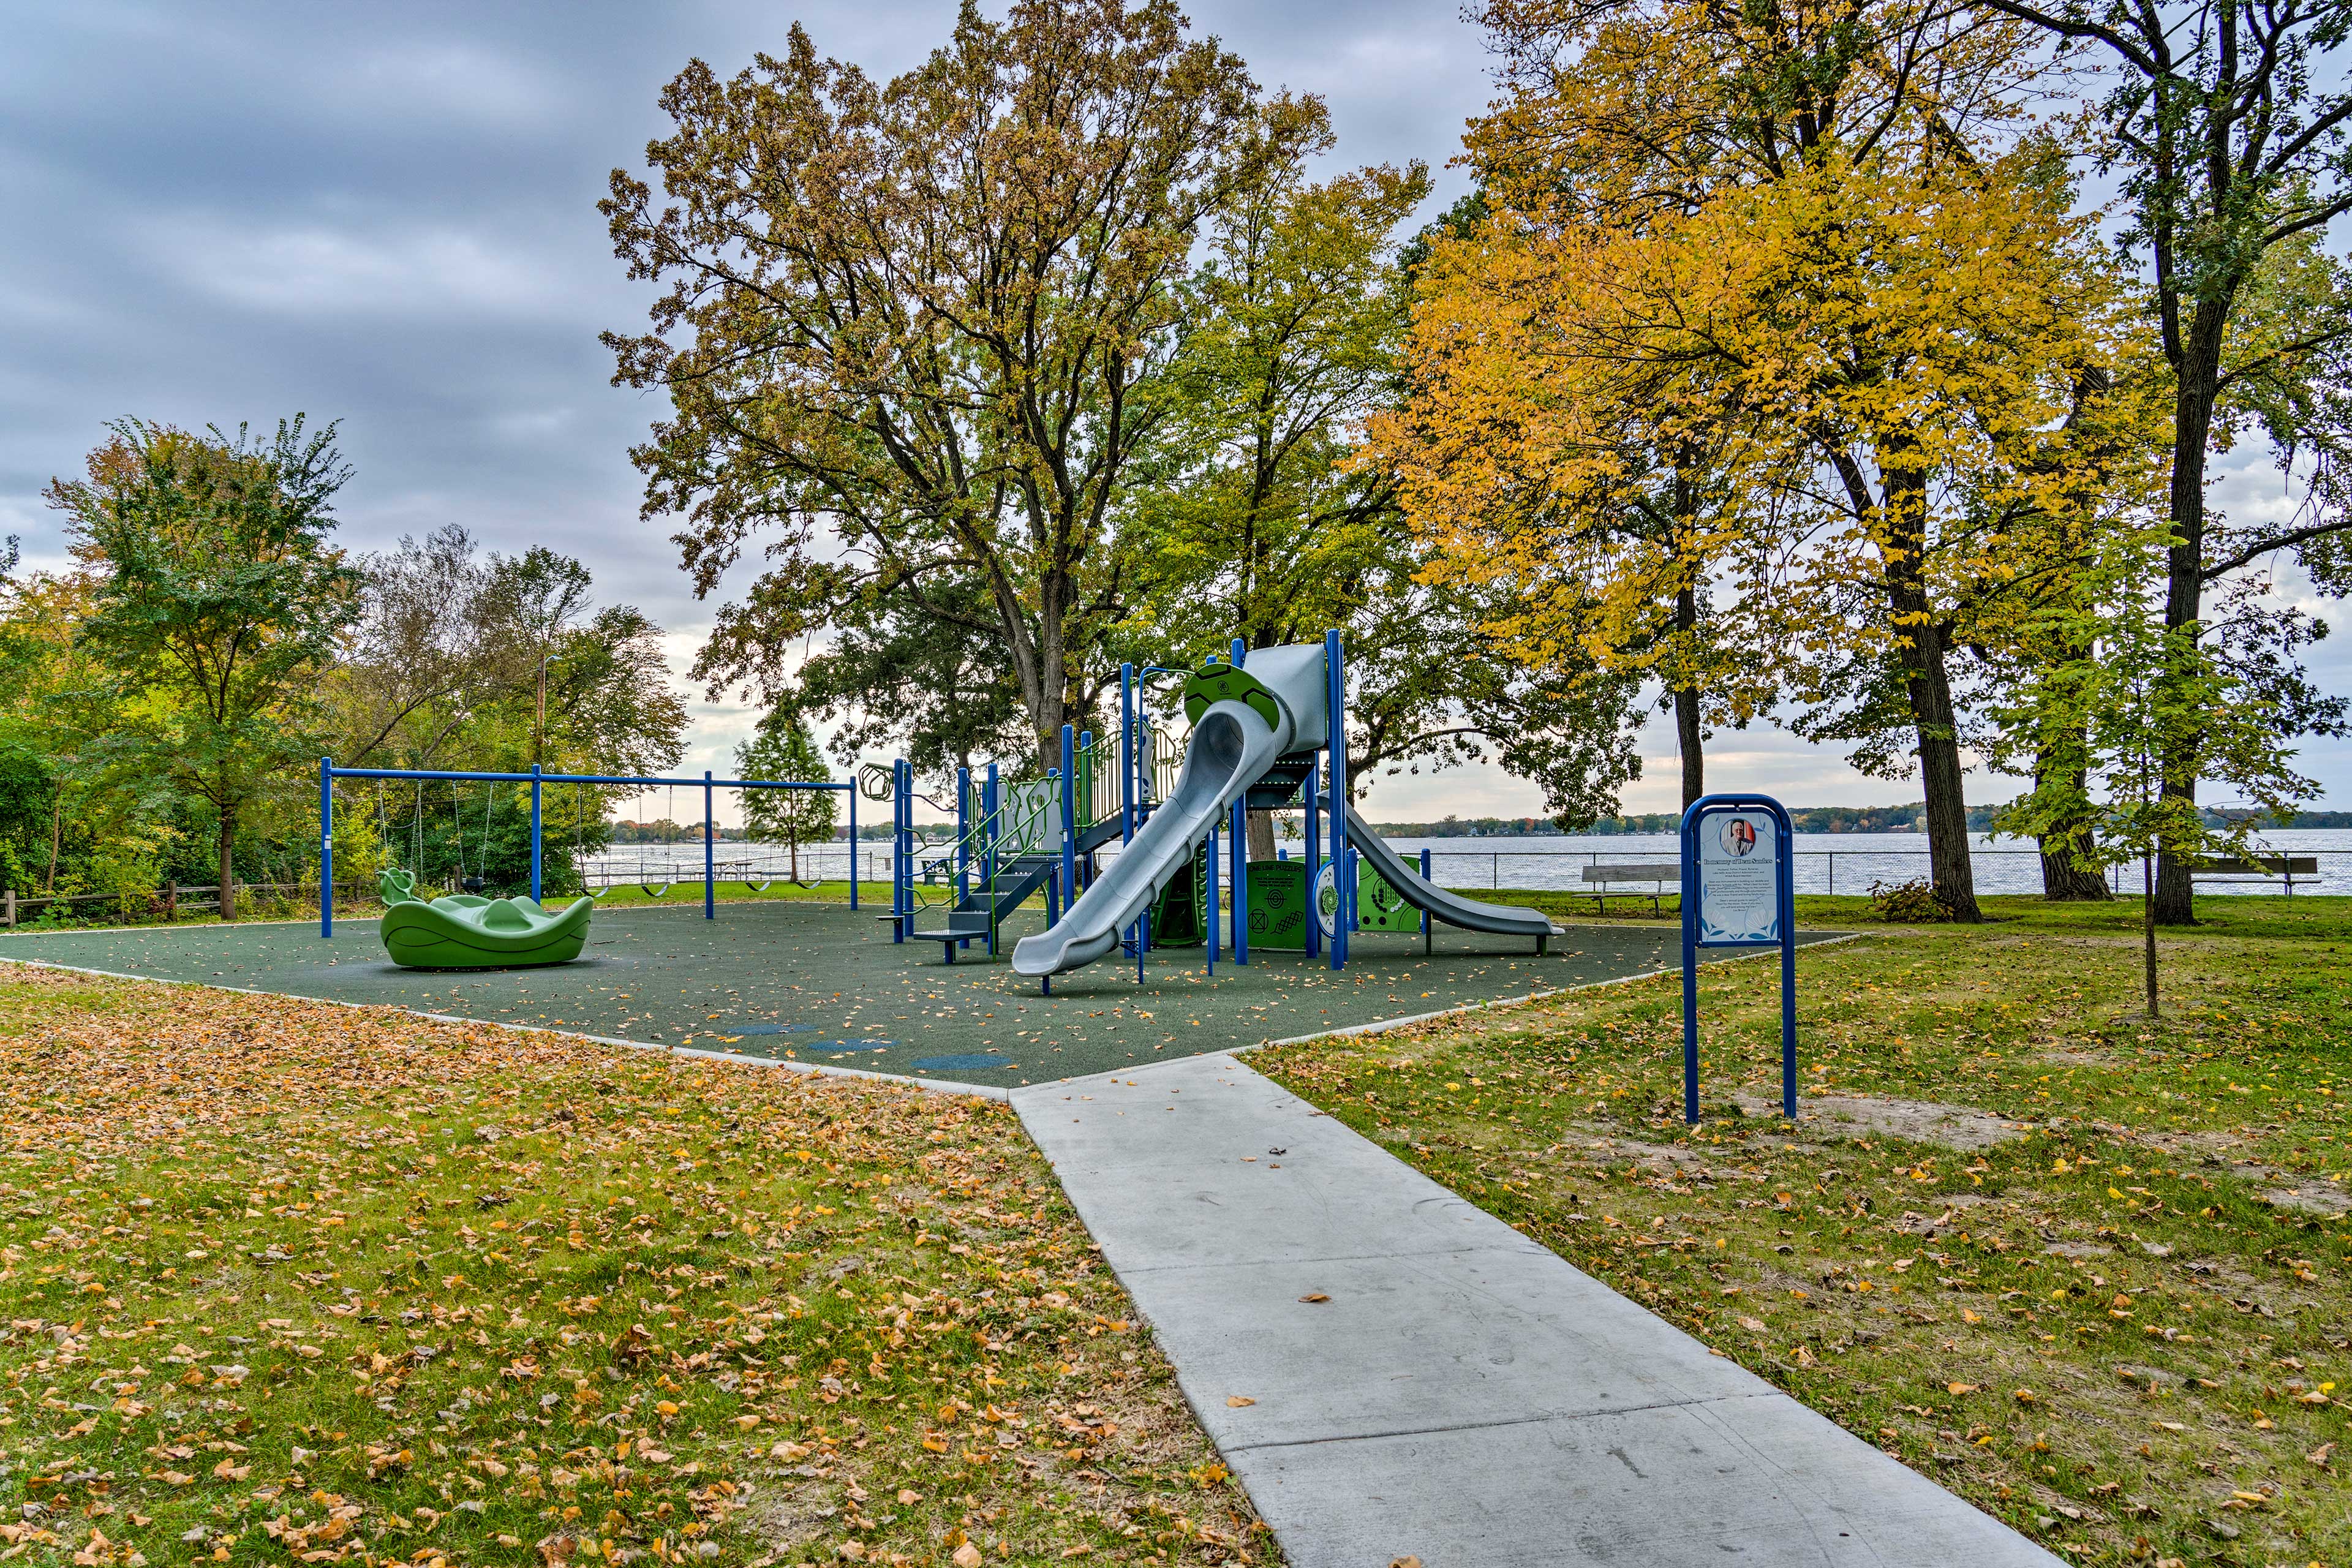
(652, 890)
(462, 932)
(758, 887)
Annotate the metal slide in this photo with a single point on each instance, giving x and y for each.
(1503, 920)
(1232, 743)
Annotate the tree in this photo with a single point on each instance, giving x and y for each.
(782, 747)
(2141, 698)
(2229, 121)
(925, 318)
(219, 600)
(1572, 480)
(1814, 283)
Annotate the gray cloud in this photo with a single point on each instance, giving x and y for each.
(386, 215)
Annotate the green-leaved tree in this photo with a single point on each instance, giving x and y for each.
(219, 602)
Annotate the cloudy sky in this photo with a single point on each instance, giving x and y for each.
(386, 215)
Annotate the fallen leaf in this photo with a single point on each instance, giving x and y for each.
(1236, 1400)
(1315, 1296)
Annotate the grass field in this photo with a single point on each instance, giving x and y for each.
(2114, 1311)
(285, 1282)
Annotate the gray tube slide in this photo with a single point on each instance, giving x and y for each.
(1503, 920)
(1230, 746)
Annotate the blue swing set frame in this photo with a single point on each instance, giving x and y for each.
(538, 780)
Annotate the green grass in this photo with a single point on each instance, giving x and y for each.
(285, 1282)
(2100, 1328)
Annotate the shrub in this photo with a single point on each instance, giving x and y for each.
(1914, 902)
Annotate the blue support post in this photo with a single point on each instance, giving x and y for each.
(327, 846)
(1127, 796)
(1239, 836)
(535, 841)
(853, 839)
(989, 827)
(898, 850)
(1069, 816)
(1343, 864)
(1314, 858)
(1209, 896)
(964, 836)
(709, 868)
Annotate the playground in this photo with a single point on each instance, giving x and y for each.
(1117, 883)
(813, 982)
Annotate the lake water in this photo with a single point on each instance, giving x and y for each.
(1826, 862)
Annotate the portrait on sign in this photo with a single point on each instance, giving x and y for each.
(1738, 881)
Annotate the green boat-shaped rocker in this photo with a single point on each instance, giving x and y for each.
(464, 932)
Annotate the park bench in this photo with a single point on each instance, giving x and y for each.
(2263, 868)
(1605, 882)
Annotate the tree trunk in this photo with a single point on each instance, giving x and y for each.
(1261, 836)
(2197, 382)
(1688, 738)
(1686, 735)
(227, 888)
(1927, 681)
(2067, 857)
(1949, 869)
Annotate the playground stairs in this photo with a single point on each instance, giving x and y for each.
(989, 901)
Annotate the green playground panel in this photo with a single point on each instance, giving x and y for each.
(1277, 905)
(1380, 906)
(1176, 917)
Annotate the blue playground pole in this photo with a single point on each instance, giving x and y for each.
(1069, 816)
(534, 832)
(1053, 877)
(1126, 753)
(1343, 863)
(989, 826)
(899, 850)
(327, 846)
(710, 871)
(1241, 849)
(1314, 858)
(853, 838)
(1209, 910)
(964, 836)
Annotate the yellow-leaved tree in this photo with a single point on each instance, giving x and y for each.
(1775, 311)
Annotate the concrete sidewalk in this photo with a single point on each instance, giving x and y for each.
(1464, 1395)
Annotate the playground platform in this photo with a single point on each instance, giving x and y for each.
(815, 982)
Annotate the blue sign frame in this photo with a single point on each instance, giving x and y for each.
(1785, 937)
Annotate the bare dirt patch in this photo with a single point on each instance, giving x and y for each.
(1959, 1127)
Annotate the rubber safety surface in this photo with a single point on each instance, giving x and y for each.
(817, 983)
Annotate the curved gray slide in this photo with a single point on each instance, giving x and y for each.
(1503, 920)
(1232, 744)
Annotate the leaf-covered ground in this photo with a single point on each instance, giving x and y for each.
(2087, 1270)
(285, 1282)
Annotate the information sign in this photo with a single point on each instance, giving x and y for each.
(1738, 890)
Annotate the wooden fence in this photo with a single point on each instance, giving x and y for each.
(171, 902)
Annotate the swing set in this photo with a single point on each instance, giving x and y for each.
(474, 878)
